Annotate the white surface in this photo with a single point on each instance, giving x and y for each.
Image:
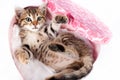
(107, 66)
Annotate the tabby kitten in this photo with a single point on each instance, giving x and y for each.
(34, 29)
(69, 56)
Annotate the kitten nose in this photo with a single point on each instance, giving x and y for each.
(34, 23)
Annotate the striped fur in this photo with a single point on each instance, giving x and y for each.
(69, 56)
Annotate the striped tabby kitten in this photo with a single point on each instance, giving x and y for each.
(69, 56)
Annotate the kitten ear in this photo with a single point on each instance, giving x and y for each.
(43, 8)
(18, 11)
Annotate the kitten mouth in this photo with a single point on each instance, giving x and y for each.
(35, 28)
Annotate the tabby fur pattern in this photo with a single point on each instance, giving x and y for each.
(69, 56)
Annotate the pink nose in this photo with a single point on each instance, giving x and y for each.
(34, 23)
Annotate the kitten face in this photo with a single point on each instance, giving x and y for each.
(31, 18)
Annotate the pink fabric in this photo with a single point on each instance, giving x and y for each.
(81, 21)
(10, 32)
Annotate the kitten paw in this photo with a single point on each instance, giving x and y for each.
(22, 56)
(61, 19)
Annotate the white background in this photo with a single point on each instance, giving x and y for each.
(107, 66)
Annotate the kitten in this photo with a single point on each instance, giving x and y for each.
(69, 56)
(34, 30)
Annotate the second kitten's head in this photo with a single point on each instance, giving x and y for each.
(31, 18)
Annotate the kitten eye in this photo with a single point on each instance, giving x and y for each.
(39, 18)
(28, 19)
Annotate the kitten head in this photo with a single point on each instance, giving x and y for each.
(31, 18)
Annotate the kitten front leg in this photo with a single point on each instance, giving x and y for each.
(56, 24)
(58, 20)
(23, 55)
